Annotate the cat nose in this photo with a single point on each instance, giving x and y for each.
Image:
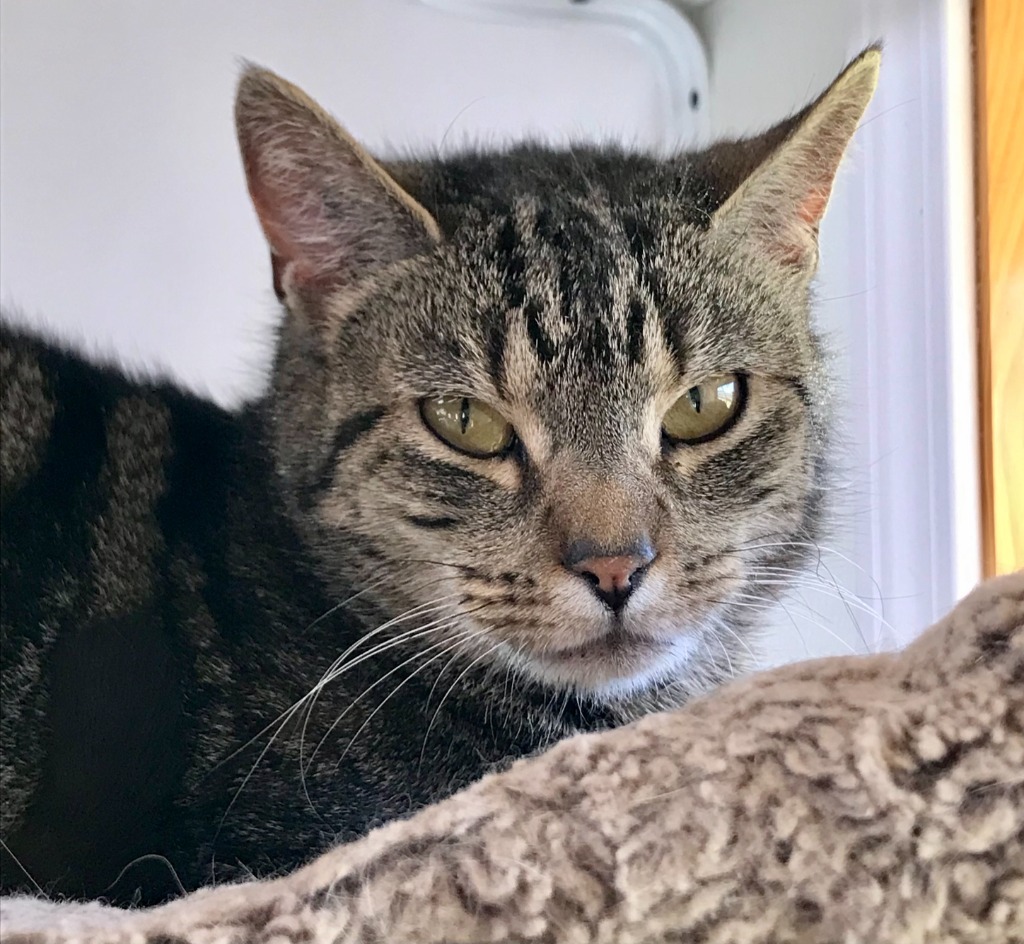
(612, 575)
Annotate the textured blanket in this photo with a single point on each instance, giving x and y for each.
(856, 799)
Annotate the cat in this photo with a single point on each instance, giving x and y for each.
(542, 424)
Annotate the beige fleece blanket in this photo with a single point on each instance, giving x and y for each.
(856, 799)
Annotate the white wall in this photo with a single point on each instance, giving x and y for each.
(124, 219)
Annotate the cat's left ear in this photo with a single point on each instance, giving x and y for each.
(329, 211)
(777, 209)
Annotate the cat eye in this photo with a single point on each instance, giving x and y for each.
(705, 411)
(468, 425)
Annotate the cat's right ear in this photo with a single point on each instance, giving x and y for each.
(777, 208)
(329, 211)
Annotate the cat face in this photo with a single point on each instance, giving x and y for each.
(564, 408)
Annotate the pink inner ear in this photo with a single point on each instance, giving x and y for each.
(812, 207)
(297, 232)
(794, 244)
(328, 212)
(301, 274)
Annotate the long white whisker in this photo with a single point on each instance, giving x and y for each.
(458, 641)
(285, 717)
(451, 688)
(767, 604)
(24, 871)
(725, 651)
(831, 588)
(420, 609)
(814, 581)
(725, 627)
(334, 724)
(339, 666)
(819, 586)
(430, 695)
(437, 626)
(820, 549)
(418, 632)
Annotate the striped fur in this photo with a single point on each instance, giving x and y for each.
(177, 579)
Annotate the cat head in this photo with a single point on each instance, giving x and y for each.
(566, 408)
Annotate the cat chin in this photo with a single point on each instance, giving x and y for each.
(613, 673)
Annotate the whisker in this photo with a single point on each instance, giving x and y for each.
(418, 633)
(151, 857)
(846, 603)
(820, 549)
(725, 651)
(724, 626)
(768, 604)
(394, 692)
(792, 579)
(431, 629)
(334, 724)
(831, 588)
(418, 610)
(24, 871)
(285, 717)
(430, 696)
(451, 688)
(334, 609)
(339, 666)
(402, 639)
(765, 607)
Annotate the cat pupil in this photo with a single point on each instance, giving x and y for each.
(695, 398)
(464, 414)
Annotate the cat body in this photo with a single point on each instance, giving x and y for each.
(167, 612)
(541, 426)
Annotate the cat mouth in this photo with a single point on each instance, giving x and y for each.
(615, 663)
(612, 647)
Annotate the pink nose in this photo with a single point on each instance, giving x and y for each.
(613, 577)
(609, 574)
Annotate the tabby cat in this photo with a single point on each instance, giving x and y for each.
(541, 424)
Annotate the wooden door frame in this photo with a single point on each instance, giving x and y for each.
(999, 100)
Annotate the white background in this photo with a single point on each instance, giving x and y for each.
(124, 222)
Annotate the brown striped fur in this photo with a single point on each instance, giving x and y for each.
(178, 580)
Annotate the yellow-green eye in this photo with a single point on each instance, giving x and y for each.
(706, 410)
(468, 425)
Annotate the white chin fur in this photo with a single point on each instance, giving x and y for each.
(596, 678)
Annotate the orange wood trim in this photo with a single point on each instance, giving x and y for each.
(999, 83)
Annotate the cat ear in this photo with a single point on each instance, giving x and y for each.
(329, 211)
(778, 207)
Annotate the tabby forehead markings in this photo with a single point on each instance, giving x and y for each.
(642, 241)
(643, 248)
(495, 329)
(635, 331)
(512, 263)
(575, 254)
(543, 346)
